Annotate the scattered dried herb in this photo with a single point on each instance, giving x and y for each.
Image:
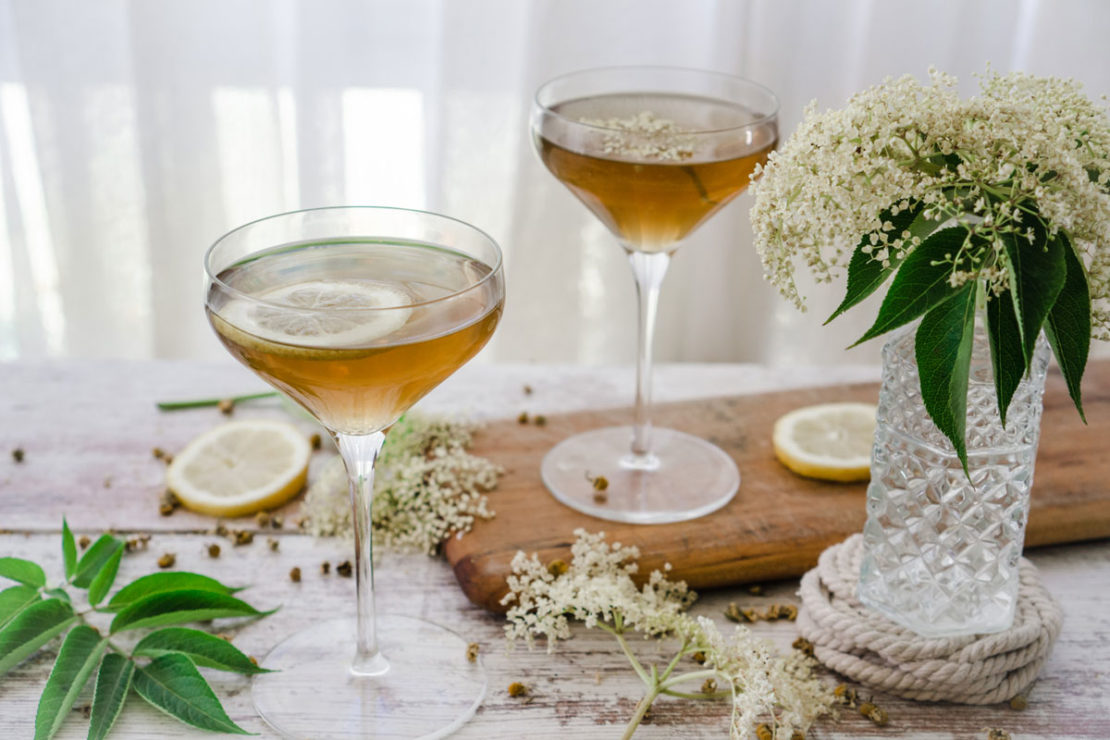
(344, 569)
(18, 454)
(517, 689)
(167, 560)
(213, 550)
(472, 652)
(295, 575)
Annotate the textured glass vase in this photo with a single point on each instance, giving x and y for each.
(941, 552)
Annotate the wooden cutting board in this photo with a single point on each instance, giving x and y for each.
(778, 523)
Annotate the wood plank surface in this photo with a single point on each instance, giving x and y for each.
(69, 416)
(778, 523)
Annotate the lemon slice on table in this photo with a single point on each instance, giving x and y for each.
(322, 313)
(240, 467)
(829, 441)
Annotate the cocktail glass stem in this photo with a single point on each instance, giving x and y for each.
(359, 453)
(649, 269)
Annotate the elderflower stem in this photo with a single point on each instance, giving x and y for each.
(628, 653)
(686, 677)
(641, 709)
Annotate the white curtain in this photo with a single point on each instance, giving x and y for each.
(134, 133)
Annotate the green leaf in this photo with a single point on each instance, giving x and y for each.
(105, 577)
(943, 349)
(1068, 326)
(31, 629)
(80, 653)
(58, 593)
(14, 600)
(921, 282)
(865, 274)
(202, 648)
(1037, 275)
(95, 558)
(173, 684)
(113, 681)
(155, 583)
(175, 607)
(22, 571)
(1007, 359)
(69, 549)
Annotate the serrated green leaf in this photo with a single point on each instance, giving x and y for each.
(176, 607)
(31, 629)
(77, 657)
(173, 684)
(22, 571)
(1007, 359)
(865, 274)
(1037, 275)
(155, 583)
(942, 347)
(14, 600)
(104, 578)
(202, 648)
(113, 681)
(1068, 326)
(920, 283)
(69, 549)
(95, 558)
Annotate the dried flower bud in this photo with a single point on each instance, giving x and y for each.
(557, 567)
(18, 454)
(995, 733)
(709, 687)
(273, 543)
(803, 646)
(755, 589)
(874, 713)
(1018, 703)
(316, 441)
(295, 575)
(523, 418)
(527, 390)
(540, 420)
(221, 529)
(167, 560)
(262, 518)
(242, 537)
(472, 652)
(845, 695)
(226, 406)
(600, 483)
(277, 521)
(517, 689)
(344, 569)
(698, 657)
(166, 509)
(213, 550)
(83, 541)
(158, 453)
(325, 567)
(764, 732)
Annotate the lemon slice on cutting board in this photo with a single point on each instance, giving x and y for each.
(829, 441)
(240, 467)
(322, 313)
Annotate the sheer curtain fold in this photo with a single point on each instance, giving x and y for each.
(134, 133)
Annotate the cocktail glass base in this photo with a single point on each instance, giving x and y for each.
(685, 477)
(429, 689)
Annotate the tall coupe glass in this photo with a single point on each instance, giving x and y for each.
(356, 313)
(653, 152)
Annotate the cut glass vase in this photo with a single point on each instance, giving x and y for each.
(941, 551)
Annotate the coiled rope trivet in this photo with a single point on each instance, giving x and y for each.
(874, 651)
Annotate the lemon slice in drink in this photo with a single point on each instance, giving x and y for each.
(240, 467)
(322, 313)
(829, 441)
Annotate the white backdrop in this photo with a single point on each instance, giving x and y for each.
(132, 134)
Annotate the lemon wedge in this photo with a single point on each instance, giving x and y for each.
(240, 467)
(829, 441)
(322, 313)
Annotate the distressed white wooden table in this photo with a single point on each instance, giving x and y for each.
(87, 429)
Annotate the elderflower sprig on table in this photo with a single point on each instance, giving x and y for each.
(597, 589)
(426, 487)
(998, 202)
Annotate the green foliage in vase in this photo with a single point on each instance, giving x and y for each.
(161, 668)
(996, 205)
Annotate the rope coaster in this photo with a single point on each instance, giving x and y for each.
(874, 651)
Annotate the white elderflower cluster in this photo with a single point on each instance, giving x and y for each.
(1026, 149)
(427, 486)
(644, 136)
(597, 588)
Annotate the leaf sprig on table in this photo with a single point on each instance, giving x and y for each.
(597, 588)
(161, 668)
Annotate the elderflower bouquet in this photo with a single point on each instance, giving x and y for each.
(999, 204)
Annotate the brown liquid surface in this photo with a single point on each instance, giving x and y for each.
(357, 390)
(651, 202)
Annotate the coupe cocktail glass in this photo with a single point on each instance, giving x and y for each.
(357, 313)
(653, 152)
